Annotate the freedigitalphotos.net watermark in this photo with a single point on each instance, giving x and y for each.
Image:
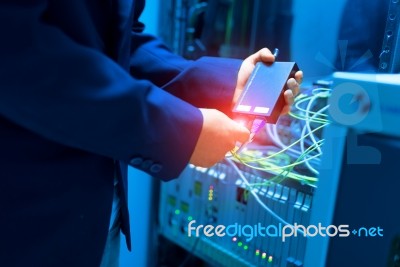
(282, 231)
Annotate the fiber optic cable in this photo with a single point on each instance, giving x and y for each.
(284, 149)
(308, 127)
(270, 167)
(273, 214)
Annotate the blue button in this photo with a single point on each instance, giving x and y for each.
(146, 164)
(156, 168)
(136, 161)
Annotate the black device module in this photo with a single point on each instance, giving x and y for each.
(262, 96)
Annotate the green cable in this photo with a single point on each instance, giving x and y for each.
(315, 91)
(283, 150)
(299, 117)
(304, 110)
(287, 169)
(290, 167)
(302, 99)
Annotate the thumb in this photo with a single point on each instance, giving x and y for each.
(242, 134)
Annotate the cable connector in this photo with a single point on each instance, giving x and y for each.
(257, 125)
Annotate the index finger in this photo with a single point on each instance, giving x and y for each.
(299, 76)
(263, 55)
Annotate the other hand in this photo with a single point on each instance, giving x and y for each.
(265, 55)
(217, 137)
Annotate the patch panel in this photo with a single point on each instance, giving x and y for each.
(217, 196)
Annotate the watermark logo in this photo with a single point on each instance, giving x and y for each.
(281, 231)
(350, 104)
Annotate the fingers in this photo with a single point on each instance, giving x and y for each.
(266, 55)
(289, 97)
(293, 90)
(293, 86)
(219, 135)
(263, 55)
(299, 76)
(241, 133)
(236, 95)
(285, 110)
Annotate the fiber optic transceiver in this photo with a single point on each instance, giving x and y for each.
(263, 94)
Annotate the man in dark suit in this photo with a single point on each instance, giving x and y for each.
(84, 93)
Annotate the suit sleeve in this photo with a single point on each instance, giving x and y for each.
(208, 82)
(76, 96)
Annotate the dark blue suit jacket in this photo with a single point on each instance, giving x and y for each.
(83, 93)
